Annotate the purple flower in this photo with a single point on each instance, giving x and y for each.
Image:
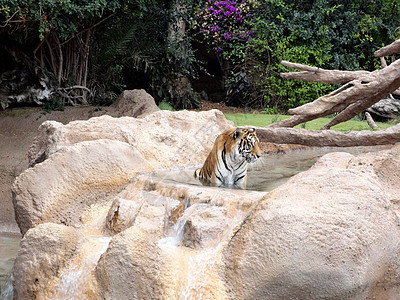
(227, 36)
(239, 19)
(250, 32)
(211, 9)
(227, 13)
(219, 49)
(217, 12)
(214, 28)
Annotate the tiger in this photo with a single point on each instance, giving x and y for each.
(226, 164)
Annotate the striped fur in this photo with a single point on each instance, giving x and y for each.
(227, 162)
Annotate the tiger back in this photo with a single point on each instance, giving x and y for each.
(226, 164)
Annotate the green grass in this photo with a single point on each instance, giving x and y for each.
(165, 106)
(261, 120)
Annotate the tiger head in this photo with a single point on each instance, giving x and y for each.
(247, 144)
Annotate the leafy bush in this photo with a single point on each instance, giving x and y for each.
(322, 33)
(149, 45)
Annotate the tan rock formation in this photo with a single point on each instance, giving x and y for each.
(329, 233)
(133, 103)
(162, 128)
(61, 188)
(42, 253)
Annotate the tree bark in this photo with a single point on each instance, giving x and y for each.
(322, 75)
(371, 121)
(351, 99)
(391, 49)
(324, 138)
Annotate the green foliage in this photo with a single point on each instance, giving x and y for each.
(323, 33)
(53, 104)
(66, 17)
(165, 106)
(152, 45)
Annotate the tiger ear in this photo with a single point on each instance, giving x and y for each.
(237, 133)
(251, 130)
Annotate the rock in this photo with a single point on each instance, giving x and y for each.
(130, 267)
(122, 214)
(61, 188)
(328, 233)
(157, 254)
(133, 103)
(164, 138)
(203, 225)
(388, 107)
(43, 251)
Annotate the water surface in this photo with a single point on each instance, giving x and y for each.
(9, 245)
(271, 170)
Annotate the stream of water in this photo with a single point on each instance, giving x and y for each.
(9, 245)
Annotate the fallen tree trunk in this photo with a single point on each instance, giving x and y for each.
(350, 99)
(321, 75)
(326, 138)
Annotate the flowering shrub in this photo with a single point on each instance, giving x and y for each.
(224, 23)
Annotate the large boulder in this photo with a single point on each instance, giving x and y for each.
(85, 161)
(77, 178)
(164, 138)
(133, 103)
(64, 186)
(329, 233)
(42, 253)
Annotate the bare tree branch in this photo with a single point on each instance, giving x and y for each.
(393, 48)
(323, 138)
(364, 90)
(322, 75)
(371, 121)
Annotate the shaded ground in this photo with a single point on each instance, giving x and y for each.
(18, 129)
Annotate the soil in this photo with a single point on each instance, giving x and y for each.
(18, 130)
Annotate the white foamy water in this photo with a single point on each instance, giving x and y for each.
(76, 280)
(196, 269)
(6, 288)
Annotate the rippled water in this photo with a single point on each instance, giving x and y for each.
(271, 170)
(8, 251)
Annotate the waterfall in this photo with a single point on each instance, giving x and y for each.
(6, 288)
(195, 269)
(76, 280)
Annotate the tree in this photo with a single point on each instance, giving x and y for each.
(58, 35)
(360, 91)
